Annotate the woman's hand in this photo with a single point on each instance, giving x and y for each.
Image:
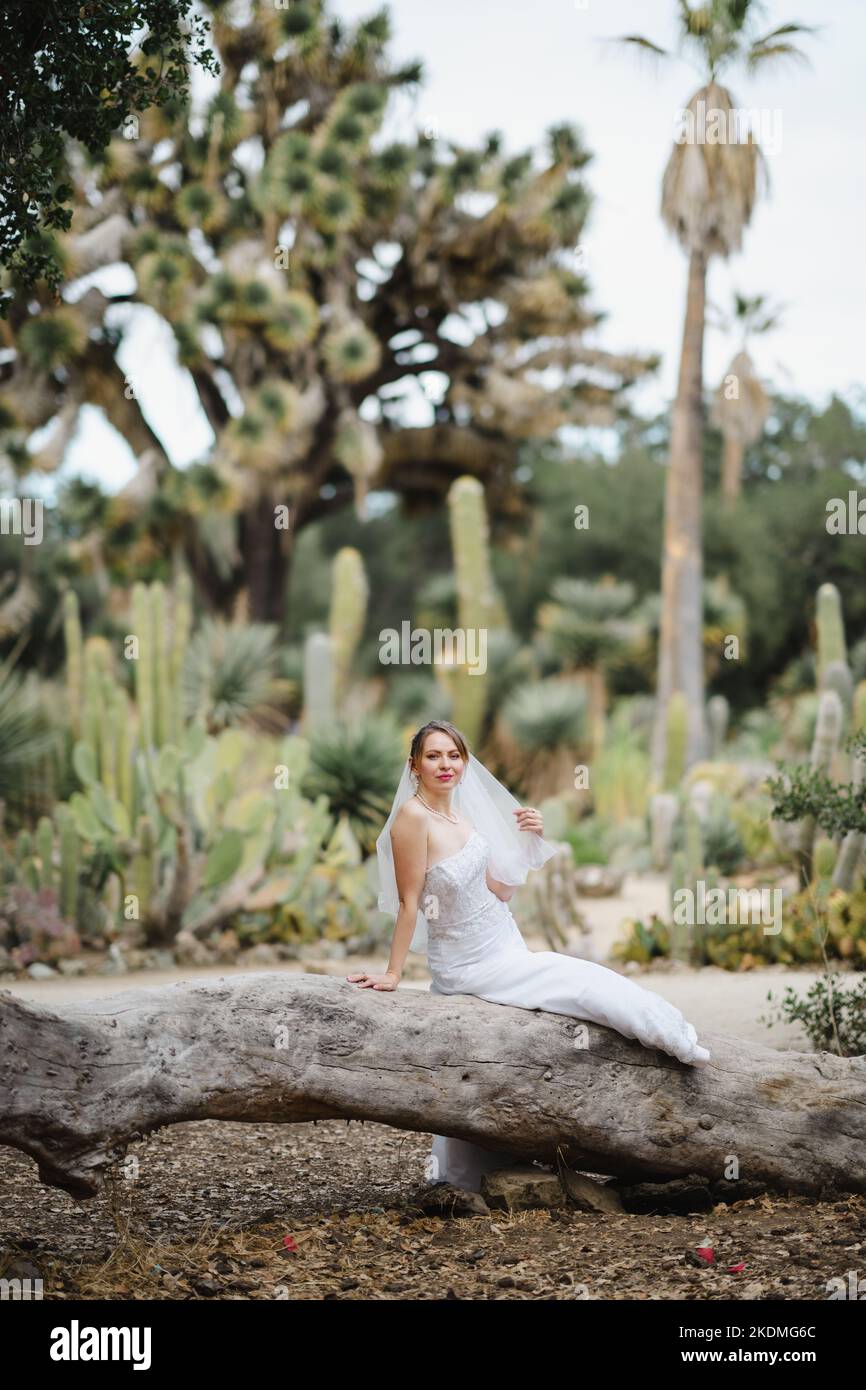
(529, 819)
(390, 980)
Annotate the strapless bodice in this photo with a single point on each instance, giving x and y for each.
(463, 916)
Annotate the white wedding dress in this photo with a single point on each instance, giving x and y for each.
(474, 946)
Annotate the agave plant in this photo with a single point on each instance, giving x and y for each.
(357, 768)
(548, 723)
(230, 676)
(545, 717)
(28, 747)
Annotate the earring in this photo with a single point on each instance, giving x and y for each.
(413, 778)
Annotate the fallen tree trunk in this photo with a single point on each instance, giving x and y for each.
(78, 1084)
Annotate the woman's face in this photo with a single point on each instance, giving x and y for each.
(440, 763)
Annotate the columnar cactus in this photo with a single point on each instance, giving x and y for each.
(677, 740)
(349, 593)
(45, 851)
(143, 876)
(142, 623)
(74, 661)
(664, 809)
(161, 667)
(181, 628)
(831, 628)
(69, 854)
(318, 682)
(828, 729)
(718, 714)
(478, 606)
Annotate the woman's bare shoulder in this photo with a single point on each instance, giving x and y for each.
(410, 820)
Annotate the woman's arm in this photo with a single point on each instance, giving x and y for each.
(527, 819)
(501, 890)
(409, 842)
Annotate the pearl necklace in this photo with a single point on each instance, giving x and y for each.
(455, 820)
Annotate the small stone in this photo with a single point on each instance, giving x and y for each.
(39, 971)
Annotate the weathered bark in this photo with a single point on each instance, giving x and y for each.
(681, 652)
(79, 1084)
(732, 468)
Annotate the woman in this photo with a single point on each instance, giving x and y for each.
(449, 861)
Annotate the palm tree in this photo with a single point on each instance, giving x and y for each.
(741, 404)
(708, 195)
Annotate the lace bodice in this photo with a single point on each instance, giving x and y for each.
(457, 904)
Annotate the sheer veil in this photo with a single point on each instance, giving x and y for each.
(489, 807)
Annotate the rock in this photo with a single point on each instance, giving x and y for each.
(521, 1187)
(73, 966)
(161, 959)
(443, 1199)
(227, 945)
(40, 971)
(115, 961)
(598, 880)
(261, 954)
(188, 950)
(728, 1190)
(136, 958)
(332, 950)
(590, 1195)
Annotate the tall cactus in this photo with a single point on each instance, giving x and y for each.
(478, 607)
(142, 622)
(349, 594)
(45, 851)
(161, 666)
(828, 729)
(831, 628)
(144, 866)
(318, 682)
(74, 661)
(676, 742)
(107, 740)
(853, 844)
(181, 628)
(68, 863)
(718, 714)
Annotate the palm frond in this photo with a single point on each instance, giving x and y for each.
(645, 45)
(774, 48)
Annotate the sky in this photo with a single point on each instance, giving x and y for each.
(518, 68)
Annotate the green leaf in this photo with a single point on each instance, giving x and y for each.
(168, 765)
(85, 819)
(223, 859)
(84, 763)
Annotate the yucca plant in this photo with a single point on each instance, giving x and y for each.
(230, 676)
(357, 768)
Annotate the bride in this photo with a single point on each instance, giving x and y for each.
(452, 852)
